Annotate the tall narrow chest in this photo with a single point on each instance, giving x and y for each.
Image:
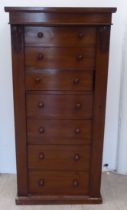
(60, 67)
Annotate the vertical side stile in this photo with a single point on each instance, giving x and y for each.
(102, 54)
(17, 35)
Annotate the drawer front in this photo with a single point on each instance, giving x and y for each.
(59, 131)
(60, 36)
(62, 157)
(59, 106)
(59, 80)
(58, 183)
(78, 58)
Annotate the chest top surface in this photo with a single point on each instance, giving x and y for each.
(65, 16)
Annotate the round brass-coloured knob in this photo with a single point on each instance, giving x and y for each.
(40, 56)
(41, 130)
(76, 157)
(77, 130)
(75, 183)
(40, 34)
(37, 79)
(76, 81)
(78, 106)
(80, 57)
(41, 156)
(41, 105)
(41, 182)
(81, 35)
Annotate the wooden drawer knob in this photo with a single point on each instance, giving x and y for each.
(78, 106)
(41, 182)
(40, 34)
(76, 157)
(77, 130)
(40, 56)
(41, 105)
(37, 79)
(41, 130)
(41, 156)
(76, 81)
(75, 183)
(80, 57)
(81, 35)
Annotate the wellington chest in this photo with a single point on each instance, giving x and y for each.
(60, 68)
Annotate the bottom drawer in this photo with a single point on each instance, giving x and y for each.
(56, 183)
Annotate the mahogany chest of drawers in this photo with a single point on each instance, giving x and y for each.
(60, 66)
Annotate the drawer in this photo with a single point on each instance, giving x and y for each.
(59, 157)
(58, 80)
(49, 57)
(58, 183)
(59, 106)
(59, 131)
(60, 36)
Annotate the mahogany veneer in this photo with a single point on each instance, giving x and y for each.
(60, 68)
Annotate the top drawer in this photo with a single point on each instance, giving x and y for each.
(60, 36)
